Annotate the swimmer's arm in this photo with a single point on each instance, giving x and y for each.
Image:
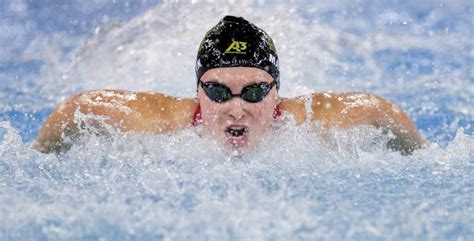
(122, 110)
(365, 109)
(392, 118)
(348, 110)
(59, 124)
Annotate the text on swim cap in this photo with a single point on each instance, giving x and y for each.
(236, 47)
(273, 59)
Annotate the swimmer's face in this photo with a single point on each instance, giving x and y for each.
(236, 123)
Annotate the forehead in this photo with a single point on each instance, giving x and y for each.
(237, 73)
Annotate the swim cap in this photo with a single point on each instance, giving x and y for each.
(235, 42)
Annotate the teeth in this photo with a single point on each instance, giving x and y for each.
(236, 130)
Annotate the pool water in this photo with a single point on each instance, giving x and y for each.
(293, 186)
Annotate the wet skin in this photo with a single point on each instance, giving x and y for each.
(219, 119)
(158, 113)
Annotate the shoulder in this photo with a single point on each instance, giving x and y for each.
(342, 109)
(136, 111)
(352, 108)
(145, 101)
(347, 102)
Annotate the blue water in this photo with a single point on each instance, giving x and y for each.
(294, 186)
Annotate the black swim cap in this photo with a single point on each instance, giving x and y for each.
(235, 42)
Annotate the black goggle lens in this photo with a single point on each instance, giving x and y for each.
(217, 92)
(255, 93)
(220, 93)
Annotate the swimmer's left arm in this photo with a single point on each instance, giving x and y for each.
(391, 117)
(348, 110)
(365, 109)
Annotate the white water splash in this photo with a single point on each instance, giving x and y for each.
(180, 187)
(294, 186)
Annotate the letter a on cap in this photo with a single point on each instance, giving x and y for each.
(236, 47)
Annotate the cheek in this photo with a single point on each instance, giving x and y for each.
(263, 112)
(210, 111)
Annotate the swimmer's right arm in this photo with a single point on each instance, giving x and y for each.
(122, 110)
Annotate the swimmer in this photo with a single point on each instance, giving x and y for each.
(237, 100)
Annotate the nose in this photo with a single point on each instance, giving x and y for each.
(236, 109)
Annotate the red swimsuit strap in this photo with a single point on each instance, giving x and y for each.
(197, 118)
(276, 112)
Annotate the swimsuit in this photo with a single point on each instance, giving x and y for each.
(197, 117)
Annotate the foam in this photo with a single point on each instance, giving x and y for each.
(145, 186)
(294, 186)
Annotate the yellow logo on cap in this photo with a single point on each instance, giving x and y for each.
(236, 47)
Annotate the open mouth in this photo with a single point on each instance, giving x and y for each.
(237, 134)
(237, 131)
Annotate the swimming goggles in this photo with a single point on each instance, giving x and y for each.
(251, 93)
